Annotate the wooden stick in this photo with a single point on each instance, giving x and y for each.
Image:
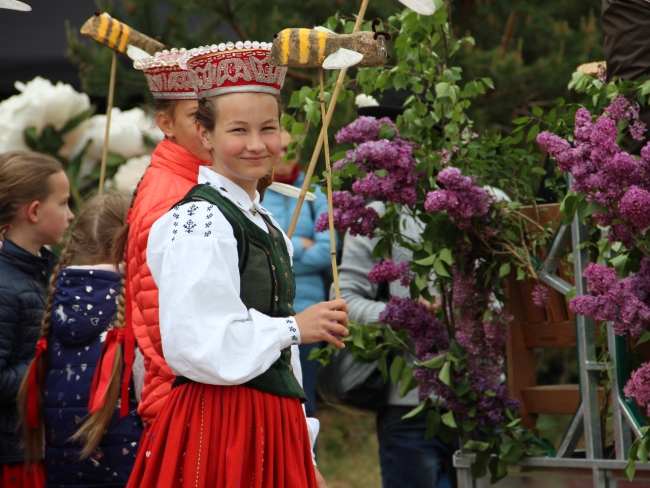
(109, 109)
(326, 122)
(330, 206)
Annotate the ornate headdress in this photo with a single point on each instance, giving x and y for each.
(233, 68)
(166, 79)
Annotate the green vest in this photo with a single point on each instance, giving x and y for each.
(267, 283)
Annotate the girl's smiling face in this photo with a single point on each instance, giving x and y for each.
(245, 141)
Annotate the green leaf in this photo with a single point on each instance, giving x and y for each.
(476, 445)
(31, 138)
(416, 411)
(488, 82)
(504, 270)
(433, 424)
(627, 262)
(77, 120)
(445, 373)
(521, 120)
(440, 269)
(446, 256)
(630, 468)
(448, 419)
(645, 336)
(408, 382)
(538, 111)
(586, 209)
(396, 369)
(428, 261)
(571, 293)
(642, 453)
(434, 363)
(568, 208)
(532, 133)
(645, 88)
(511, 451)
(382, 365)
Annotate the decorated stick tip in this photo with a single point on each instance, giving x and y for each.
(309, 48)
(422, 7)
(117, 35)
(15, 5)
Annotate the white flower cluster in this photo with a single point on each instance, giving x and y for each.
(38, 105)
(129, 174)
(126, 137)
(365, 101)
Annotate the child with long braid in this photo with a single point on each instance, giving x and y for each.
(34, 193)
(73, 396)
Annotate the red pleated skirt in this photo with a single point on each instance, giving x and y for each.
(225, 437)
(16, 475)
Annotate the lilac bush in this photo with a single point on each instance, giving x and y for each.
(619, 183)
(474, 327)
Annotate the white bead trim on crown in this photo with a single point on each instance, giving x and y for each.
(163, 58)
(229, 46)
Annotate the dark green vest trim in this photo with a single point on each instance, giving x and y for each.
(267, 283)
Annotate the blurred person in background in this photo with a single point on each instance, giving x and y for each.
(311, 252)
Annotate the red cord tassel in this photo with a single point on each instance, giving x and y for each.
(33, 388)
(102, 377)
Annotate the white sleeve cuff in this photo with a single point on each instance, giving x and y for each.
(288, 331)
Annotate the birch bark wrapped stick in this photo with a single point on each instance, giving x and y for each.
(123, 39)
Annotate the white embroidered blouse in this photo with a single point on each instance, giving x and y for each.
(208, 335)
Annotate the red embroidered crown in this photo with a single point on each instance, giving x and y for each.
(230, 68)
(166, 79)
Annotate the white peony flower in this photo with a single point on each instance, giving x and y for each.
(129, 174)
(365, 101)
(38, 105)
(126, 137)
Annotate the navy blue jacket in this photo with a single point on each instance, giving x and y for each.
(83, 310)
(23, 284)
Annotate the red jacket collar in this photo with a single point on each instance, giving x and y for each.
(173, 158)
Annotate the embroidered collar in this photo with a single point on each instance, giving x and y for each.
(231, 191)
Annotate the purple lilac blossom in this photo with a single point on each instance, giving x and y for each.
(350, 212)
(484, 340)
(422, 326)
(387, 270)
(461, 199)
(621, 302)
(622, 109)
(363, 129)
(638, 387)
(605, 173)
(635, 206)
(541, 296)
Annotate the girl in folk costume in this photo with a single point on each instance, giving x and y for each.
(34, 212)
(223, 268)
(74, 395)
(173, 171)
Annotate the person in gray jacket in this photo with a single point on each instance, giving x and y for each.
(407, 460)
